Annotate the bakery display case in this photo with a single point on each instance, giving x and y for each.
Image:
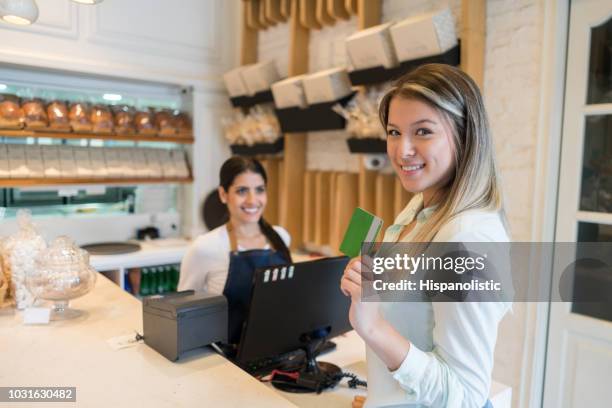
(56, 137)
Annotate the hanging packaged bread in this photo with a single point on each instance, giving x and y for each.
(124, 120)
(78, 115)
(164, 122)
(57, 112)
(101, 119)
(11, 114)
(35, 113)
(182, 123)
(144, 123)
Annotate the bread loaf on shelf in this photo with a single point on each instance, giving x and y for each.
(101, 119)
(35, 113)
(163, 121)
(182, 123)
(144, 123)
(79, 117)
(57, 112)
(11, 114)
(124, 120)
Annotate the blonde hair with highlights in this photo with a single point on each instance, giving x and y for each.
(476, 181)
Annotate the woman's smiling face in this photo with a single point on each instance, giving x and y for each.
(420, 145)
(246, 198)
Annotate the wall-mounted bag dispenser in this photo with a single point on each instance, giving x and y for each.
(178, 322)
(424, 35)
(371, 47)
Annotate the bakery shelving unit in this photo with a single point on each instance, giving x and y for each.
(49, 134)
(186, 139)
(315, 206)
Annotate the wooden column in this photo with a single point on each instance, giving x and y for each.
(368, 14)
(294, 163)
(473, 31)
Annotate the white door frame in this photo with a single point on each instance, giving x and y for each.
(548, 156)
(556, 311)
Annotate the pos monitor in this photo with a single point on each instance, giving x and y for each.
(297, 306)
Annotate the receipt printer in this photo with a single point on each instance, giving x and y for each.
(183, 321)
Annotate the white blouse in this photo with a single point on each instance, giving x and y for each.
(450, 360)
(206, 262)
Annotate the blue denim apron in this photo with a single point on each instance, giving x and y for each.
(239, 283)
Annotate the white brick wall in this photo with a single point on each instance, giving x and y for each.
(512, 65)
(513, 47)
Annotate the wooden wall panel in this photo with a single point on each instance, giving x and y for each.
(337, 9)
(272, 170)
(346, 198)
(322, 211)
(323, 16)
(248, 43)
(285, 8)
(273, 11)
(385, 193)
(308, 14)
(351, 6)
(369, 13)
(367, 189)
(308, 232)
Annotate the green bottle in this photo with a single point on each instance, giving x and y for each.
(161, 279)
(167, 278)
(153, 281)
(144, 282)
(175, 276)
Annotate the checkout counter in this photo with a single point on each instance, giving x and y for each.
(76, 353)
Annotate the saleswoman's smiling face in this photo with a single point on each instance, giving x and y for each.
(420, 145)
(246, 197)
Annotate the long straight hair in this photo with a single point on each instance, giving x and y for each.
(232, 168)
(454, 95)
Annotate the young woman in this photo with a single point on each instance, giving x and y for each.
(438, 141)
(223, 260)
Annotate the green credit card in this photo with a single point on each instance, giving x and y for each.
(363, 227)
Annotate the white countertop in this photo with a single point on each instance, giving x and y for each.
(152, 253)
(75, 353)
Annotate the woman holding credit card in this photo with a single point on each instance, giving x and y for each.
(434, 354)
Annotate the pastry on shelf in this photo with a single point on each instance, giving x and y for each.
(182, 123)
(35, 113)
(57, 112)
(144, 123)
(124, 120)
(101, 119)
(79, 117)
(11, 114)
(164, 122)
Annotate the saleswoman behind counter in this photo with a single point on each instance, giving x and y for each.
(247, 241)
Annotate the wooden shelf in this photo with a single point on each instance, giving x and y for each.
(29, 182)
(109, 136)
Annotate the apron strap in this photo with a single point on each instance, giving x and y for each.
(232, 237)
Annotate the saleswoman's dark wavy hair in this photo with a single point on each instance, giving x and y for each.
(232, 168)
